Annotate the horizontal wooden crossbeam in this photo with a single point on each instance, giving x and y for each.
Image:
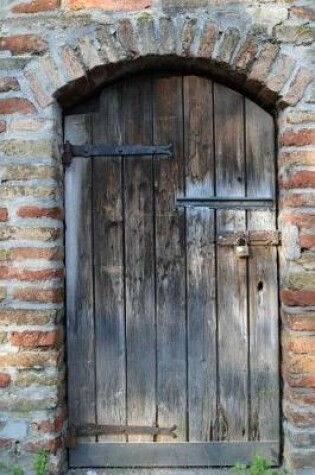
(186, 454)
(215, 202)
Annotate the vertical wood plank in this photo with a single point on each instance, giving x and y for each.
(263, 290)
(109, 267)
(79, 283)
(201, 308)
(170, 259)
(231, 272)
(139, 251)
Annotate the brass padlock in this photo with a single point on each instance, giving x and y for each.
(241, 247)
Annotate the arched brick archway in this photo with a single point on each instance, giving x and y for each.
(79, 64)
(253, 64)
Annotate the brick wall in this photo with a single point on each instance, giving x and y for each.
(54, 52)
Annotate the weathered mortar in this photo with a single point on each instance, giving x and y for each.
(49, 49)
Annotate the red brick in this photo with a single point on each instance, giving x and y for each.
(298, 200)
(302, 381)
(6, 443)
(298, 365)
(208, 39)
(9, 84)
(299, 322)
(246, 54)
(300, 117)
(299, 397)
(36, 212)
(5, 380)
(278, 76)
(3, 126)
(301, 179)
(303, 12)
(51, 446)
(74, 69)
(263, 63)
(297, 137)
(20, 44)
(298, 297)
(54, 425)
(50, 253)
(28, 317)
(39, 295)
(3, 214)
(30, 359)
(110, 5)
(302, 220)
(36, 84)
(33, 339)
(307, 241)
(301, 157)
(15, 105)
(296, 416)
(297, 87)
(36, 6)
(31, 275)
(299, 344)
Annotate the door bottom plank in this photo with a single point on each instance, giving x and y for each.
(186, 454)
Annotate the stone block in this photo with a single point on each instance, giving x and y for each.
(42, 148)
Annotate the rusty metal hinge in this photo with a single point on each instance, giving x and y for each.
(93, 430)
(128, 151)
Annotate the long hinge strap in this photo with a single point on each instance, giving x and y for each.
(87, 150)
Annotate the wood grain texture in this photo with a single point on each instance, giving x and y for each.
(200, 249)
(231, 272)
(263, 289)
(109, 267)
(79, 285)
(139, 251)
(170, 259)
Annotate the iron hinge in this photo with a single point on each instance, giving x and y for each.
(128, 151)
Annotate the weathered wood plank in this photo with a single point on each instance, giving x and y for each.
(170, 259)
(215, 454)
(263, 290)
(109, 267)
(231, 272)
(201, 308)
(139, 251)
(79, 265)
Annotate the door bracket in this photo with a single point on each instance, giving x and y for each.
(87, 150)
(94, 430)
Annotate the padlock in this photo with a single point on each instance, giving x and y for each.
(241, 247)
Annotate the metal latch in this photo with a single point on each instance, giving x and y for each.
(92, 430)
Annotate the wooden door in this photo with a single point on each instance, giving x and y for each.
(166, 326)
